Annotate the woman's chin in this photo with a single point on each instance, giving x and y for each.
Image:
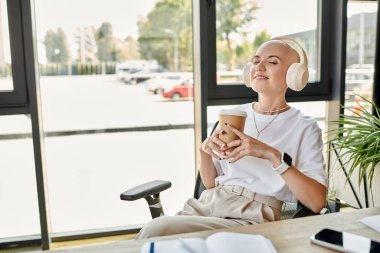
(259, 88)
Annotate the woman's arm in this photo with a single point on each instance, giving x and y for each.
(207, 168)
(302, 186)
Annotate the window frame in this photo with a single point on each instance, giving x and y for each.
(18, 97)
(376, 75)
(204, 70)
(235, 94)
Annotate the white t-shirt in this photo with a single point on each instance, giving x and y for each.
(291, 132)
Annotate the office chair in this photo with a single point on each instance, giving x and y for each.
(151, 192)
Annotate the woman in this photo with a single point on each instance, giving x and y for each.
(278, 158)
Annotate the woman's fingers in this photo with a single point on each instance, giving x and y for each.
(216, 140)
(237, 154)
(218, 131)
(211, 153)
(238, 149)
(236, 131)
(235, 158)
(214, 144)
(234, 143)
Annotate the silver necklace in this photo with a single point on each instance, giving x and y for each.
(275, 111)
(254, 120)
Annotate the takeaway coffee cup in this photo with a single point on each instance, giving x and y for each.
(233, 117)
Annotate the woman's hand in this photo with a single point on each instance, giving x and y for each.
(248, 146)
(213, 143)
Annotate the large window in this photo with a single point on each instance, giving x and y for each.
(116, 80)
(361, 39)
(359, 84)
(241, 26)
(250, 23)
(117, 100)
(13, 91)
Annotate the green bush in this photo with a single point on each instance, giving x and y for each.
(59, 69)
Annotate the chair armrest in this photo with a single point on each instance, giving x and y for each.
(303, 212)
(332, 207)
(335, 205)
(145, 190)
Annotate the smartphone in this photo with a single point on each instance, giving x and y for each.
(345, 242)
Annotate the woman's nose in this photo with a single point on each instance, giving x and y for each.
(259, 66)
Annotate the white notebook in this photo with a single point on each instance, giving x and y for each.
(223, 242)
(372, 222)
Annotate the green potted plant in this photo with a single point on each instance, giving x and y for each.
(357, 140)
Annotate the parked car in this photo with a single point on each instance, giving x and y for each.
(165, 82)
(143, 75)
(122, 71)
(125, 69)
(358, 81)
(361, 66)
(356, 77)
(179, 92)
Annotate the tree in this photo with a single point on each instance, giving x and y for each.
(130, 49)
(108, 48)
(166, 34)
(169, 23)
(260, 38)
(232, 15)
(56, 46)
(245, 50)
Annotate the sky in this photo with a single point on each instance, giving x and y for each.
(123, 15)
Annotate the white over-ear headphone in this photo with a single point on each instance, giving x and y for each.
(297, 74)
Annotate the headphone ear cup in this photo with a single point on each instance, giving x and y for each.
(246, 74)
(297, 76)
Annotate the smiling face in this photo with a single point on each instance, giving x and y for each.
(270, 64)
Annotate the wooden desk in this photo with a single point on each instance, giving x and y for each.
(287, 236)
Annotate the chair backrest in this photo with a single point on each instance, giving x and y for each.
(199, 187)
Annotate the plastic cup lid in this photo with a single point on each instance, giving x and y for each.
(233, 112)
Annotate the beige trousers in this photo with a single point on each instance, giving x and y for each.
(223, 206)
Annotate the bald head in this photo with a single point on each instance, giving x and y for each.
(281, 49)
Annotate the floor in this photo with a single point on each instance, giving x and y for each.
(62, 245)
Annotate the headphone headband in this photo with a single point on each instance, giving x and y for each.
(295, 46)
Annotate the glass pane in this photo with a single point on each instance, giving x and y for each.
(361, 38)
(242, 26)
(117, 98)
(6, 83)
(360, 53)
(19, 215)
